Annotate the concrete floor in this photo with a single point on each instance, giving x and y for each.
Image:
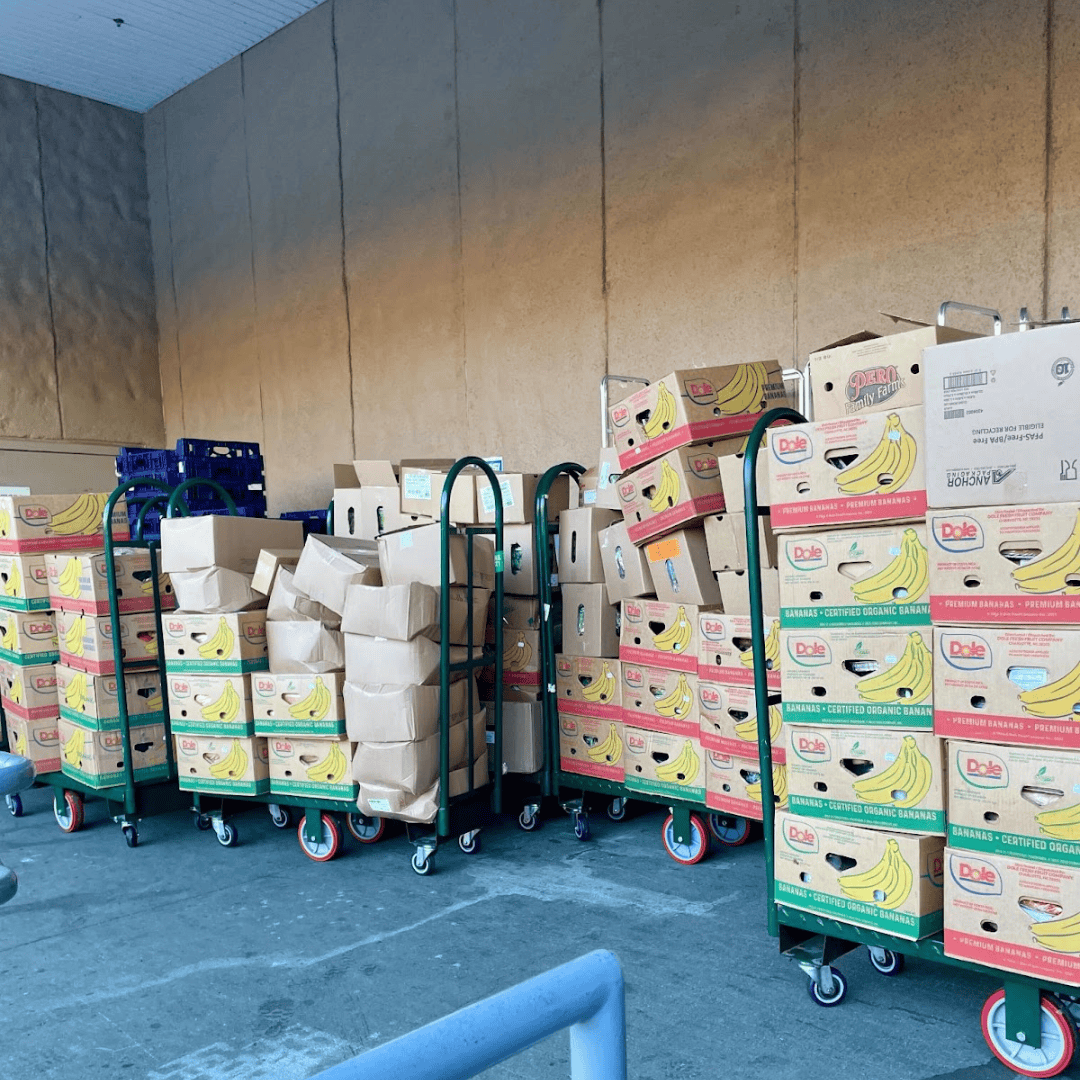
(182, 960)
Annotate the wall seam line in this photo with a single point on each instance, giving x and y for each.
(48, 268)
(1048, 158)
(460, 224)
(603, 194)
(796, 125)
(172, 275)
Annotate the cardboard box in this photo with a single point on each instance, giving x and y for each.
(214, 591)
(92, 701)
(1008, 686)
(36, 523)
(28, 637)
(96, 758)
(24, 583)
(680, 571)
(380, 512)
(660, 699)
(626, 571)
(289, 604)
(310, 767)
(866, 468)
(401, 713)
(210, 704)
(373, 473)
(29, 692)
(80, 582)
(589, 621)
(589, 686)
(725, 535)
(38, 740)
(855, 577)
(694, 406)
(579, 547)
(400, 612)
(374, 661)
(86, 641)
(734, 785)
(591, 746)
(422, 488)
(735, 591)
(1008, 913)
(731, 464)
(599, 486)
(519, 498)
(386, 800)
(522, 737)
(461, 616)
(659, 763)
(304, 648)
(727, 716)
(521, 657)
(222, 766)
(344, 475)
(216, 644)
(194, 543)
(519, 613)
(875, 777)
(726, 654)
(519, 567)
(269, 562)
(416, 555)
(298, 704)
(809, 851)
(860, 676)
(661, 634)
(329, 565)
(1007, 564)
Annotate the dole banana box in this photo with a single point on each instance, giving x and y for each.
(734, 785)
(210, 704)
(735, 591)
(92, 701)
(694, 406)
(660, 699)
(855, 577)
(660, 763)
(24, 583)
(86, 641)
(298, 704)
(725, 537)
(96, 758)
(219, 765)
(29, 692)
(315, 768)
(860, 676)
(727, 718)
(726, 654)
(80, 582)
(1017, 685)
(215, 644)
(589, 686)
(38, 740)
(1013, 914)
(882, 779)
(660, 634)
(28, 638)
(679, 568)
(591, 746)
(521, 657)
(731, 476)
(869, 877)
(1015, 801)
(1005, 564)
(37, 523)
(862, 469)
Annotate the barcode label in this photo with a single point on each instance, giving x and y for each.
(959, 382)
(954, 414)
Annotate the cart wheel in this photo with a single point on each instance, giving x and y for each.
(886, 962)
(469, 842)
(326, 848)
(527, 820)
(202, 822)
(616, 809)
(581, 826)
(280, 816)
(368, 830)
(227, 835)
(690, 852)
(131, 835)
(69, 811)
(421, 864)
(834, 997)
(1057, 1035)
(14, 804)
(729, 830)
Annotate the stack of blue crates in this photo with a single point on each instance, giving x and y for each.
(314, 521)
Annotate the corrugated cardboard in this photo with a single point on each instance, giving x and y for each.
(735, 591)
(344, 475)
(589, 621)
(519, 613)
(400, 612)
(215, 644)
(519, 567)
(848, 472)
(96, 758)
(210, 704)
(579, 547)
(380, 512)
(725, 535)
(422, 488)
(329, 565)
(599, 486)
(726, 654)
(304, 648)
(680, 571)
(292, 704)
(80, 582)
(289, 604)
(460, 617)
(38, 740)
(91, 701)
(29, 692)
(522, 737)
(24, 583)
(416, 555)
(626, 572)
(659, 763)
(734, 785)
(660, 699)
(215, 590)
(269, 562)
(222, 766)
(386, 800)
(521, 657)
(589, 686)
(591, 746)
(311, 767)
(86, 640)
(519, 498)
(374, 661)
(36, 523)
(728, 721)
(731, 475)
(660, 634)
(374, 473)
(28, 637)
(194, 543)
(400, 713)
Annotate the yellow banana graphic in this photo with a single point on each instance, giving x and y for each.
(73, 637)
(684, 769)
(69, 581)
(153, 702)
(747, 729)
(10, 638)
(909, 681)
(668, 490)
(677, 636)
(17, 689)
(903, 580)
(678, 704)
(315, 706)
(233, 765)
(745, 392)
(1051, 572)
(887, 884)
(1062, 824)
(75, 692)
(601, 689)
(904, 783)
(73, 748)
(20, 744)
(1059, 935)
(13, 585)
(517, 654)
(886, 467)
(1056, 699)
(332, 768)
(220, 645)
(82, 517)
(610, 750)
(663, 416)
(779, 783)
(226, 708)
(772, 649)
(5, 522)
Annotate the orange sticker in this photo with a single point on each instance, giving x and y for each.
(668, 548)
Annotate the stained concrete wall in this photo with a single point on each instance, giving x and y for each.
(78, 338)
(429, 226)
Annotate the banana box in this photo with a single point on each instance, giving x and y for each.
(519, 613)
(868, 877)
(218, 765)
(855, 577)
(725, 534)
(862, 676)
(24, 583)
(591, 746)
(216, 644)
(733, 785)
(679, 567)
(660, 699)
(882, 779)
(694, 406)
(91, 701)
(319, 768)
(28, 638)
(590, 622)
(589, 686)
(298, 704)
(38, 740)
(660, 634)
(1013, 914)
(210, 704)
(725, 652)
(735, 591)
(86, 641)
(659, 763)
(29, 692)
(521, 657)
(1005, 564)
(37, 523)
(626, 571)
(680, 488)
(1017, 685)
(861, 469)
(80, 582)
(96, 758)
(727, 719)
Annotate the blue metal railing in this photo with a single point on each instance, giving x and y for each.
(586, 995)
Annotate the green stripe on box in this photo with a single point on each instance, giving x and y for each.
(109, 723)
(310, 789)
(29, 659)
(218, 667)
(685, 792)
(1039, 848)
(916, 717)
(239, 729)
(855, 911)
(20, 603)
(927, 821)
(101, 781)
(802, 618)
(224, 787)
(299, 727)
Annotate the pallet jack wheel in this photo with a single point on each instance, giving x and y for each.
(686, 852)
(1058, 1038)
(68, 811)
(368, 830)
(326, 848)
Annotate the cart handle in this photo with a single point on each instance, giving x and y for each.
(974, 309)
(177, 502)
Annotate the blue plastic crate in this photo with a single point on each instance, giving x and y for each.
(314, 521)
(190, 449)
(224, 470)
(138, 461)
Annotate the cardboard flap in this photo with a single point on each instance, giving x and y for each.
(376, 473)
(851, 339)
(290, 604)
(304, 647)
(215, 590)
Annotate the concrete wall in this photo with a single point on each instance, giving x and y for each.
(78, 340)
(429, 226)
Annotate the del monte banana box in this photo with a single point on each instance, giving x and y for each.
(80, 582)
(855, 577)
(220, 765)
(300, 704)
(320, 768)
(86, 641)
(38, 740)
(868, 877)
(28, 637)
(1005, 564)
(660, 699)
(733, 785)
(661, 634)
(727, 717)
(659, 763)
(91, 701)
(36, 523)
(863, 676)
(210, 704)
(853, 471)
(726, 654)
(29, 692)
(589, 686)
(24, 585)
(216, 644)
(591, 746)
(882, 779)
(96, 758)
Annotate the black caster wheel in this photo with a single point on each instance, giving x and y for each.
(131, 835)
(581, 826)
(421, 865)
(202, 822)
(227, 835)
(834, 997)
(887, 962)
